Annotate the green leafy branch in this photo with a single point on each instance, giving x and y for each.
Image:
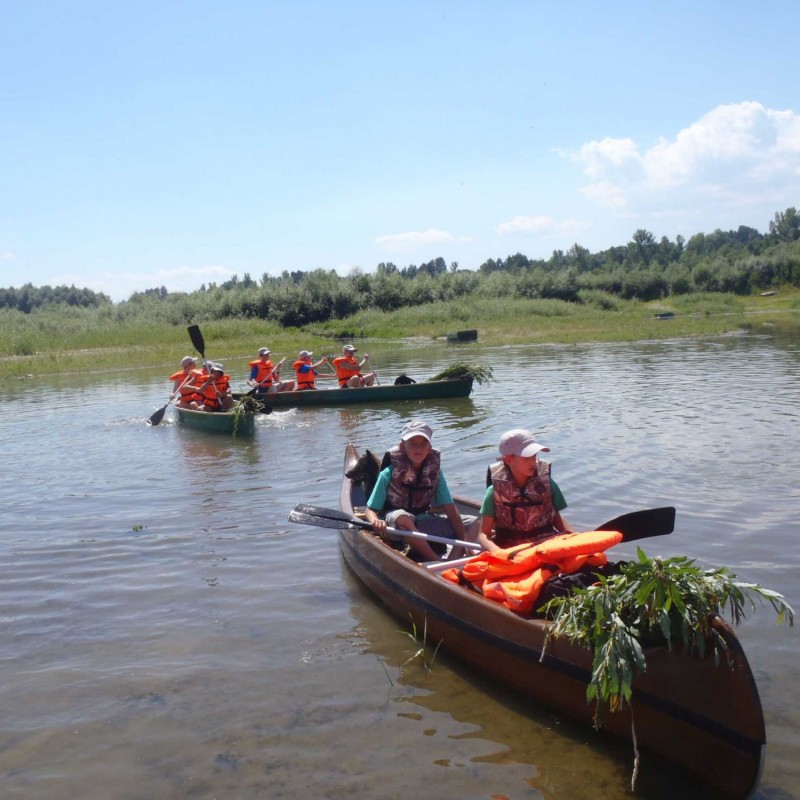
(651, 601)
(461, 369)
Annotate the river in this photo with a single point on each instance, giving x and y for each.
(167, 633)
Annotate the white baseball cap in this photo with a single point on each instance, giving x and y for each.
(519, 442)
(264, 351)
(305, 354)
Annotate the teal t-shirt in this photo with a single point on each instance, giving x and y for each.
(377, 500)
(488, 507)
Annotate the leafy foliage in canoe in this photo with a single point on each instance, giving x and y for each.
(651, 600)
(462, 369)
(241, 407)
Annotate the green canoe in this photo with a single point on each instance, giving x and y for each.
(243, 424)
(427, 390)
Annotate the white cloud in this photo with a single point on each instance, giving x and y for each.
(541, 225)
(413, 240)
(7, 256)
(728, 155)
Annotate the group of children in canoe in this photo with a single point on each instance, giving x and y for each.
(208, 388)
(522, 503)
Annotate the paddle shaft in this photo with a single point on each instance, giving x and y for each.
(377, 381)
(331, 518)
(156, 418)
(431, 538)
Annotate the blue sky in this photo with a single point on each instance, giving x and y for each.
(177, 143)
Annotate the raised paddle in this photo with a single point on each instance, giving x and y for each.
(197, 340)
(330, 518)
(200, 345)
(159, 415)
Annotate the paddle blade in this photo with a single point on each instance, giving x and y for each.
(325, 518)
(158, 416)
(197, 339)
(642, 524)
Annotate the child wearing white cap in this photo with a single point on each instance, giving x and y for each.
(183, 380)
(306, 372)
(265, 376)
(348, 369)
(410, 482)
(522, 503)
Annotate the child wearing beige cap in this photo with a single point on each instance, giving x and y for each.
(522, 502)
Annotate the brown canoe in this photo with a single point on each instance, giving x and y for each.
(703, 717)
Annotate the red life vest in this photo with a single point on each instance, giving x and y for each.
(305, 380)
(520, 513)
(264, 368)
(410, 489)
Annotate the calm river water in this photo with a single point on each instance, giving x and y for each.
(166, 633)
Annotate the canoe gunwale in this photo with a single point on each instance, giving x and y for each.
(385, 392)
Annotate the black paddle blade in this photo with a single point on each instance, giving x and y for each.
(642, 524)
(325, 517)
(197, 339)
(158, 416)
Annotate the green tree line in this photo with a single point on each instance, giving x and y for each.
(738, 262)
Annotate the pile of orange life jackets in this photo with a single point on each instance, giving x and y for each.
(514, 577)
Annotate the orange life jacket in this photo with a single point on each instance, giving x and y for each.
(216, 387)
(194, 377)
(265, 368)
(305, 380)
(346, 367)
(515, 577)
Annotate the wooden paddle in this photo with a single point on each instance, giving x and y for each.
(330, 518)
(253, 391)
(159, 415)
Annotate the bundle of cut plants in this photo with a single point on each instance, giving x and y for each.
(651, 601)
(462, 369)
(658, 601)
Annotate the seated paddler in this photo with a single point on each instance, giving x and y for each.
(410, 483)
(523, 503)
(348, 369)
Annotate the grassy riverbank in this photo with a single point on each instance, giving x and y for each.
(79, 340)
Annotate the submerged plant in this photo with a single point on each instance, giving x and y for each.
(462, 369)
(422, 651)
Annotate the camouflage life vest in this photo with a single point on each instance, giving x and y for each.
(409, 489)
(524, 511)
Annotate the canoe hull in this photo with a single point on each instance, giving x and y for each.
(707, 719)
(223, 422)
(423, 390)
